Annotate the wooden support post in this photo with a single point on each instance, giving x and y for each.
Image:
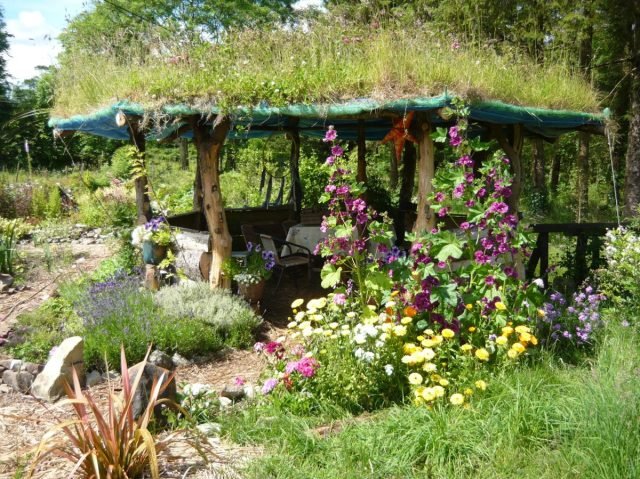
(543, 245)
(143, 204)
(512, 147)
(294, 166)
(197, 186)
(209, 141)
(425, 221)
(361, 174)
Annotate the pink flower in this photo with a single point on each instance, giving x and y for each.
(340, 298)
(269, 385)
(337, 150)
(331, 134)
(239, 381)
(307, 367)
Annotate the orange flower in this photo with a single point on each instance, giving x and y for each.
(410, 311)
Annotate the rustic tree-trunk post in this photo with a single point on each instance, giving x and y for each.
(632, 169)
(184, 153)
(426, 172)
(209, 141)
(512, 147)
(197, 186)
(406, 189)
(555, 169)
(583, 174)
(393, 169)
(361, 174)
(294, 166)
(143, 204)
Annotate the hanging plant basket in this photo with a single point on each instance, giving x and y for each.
(153, 253)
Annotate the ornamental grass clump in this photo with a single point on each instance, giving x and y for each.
(111, 444)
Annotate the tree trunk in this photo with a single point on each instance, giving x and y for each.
(426, 171)
(632, 170)
(209, 144)
(143, 204)
(408, 175)
(583, 175)
(197, 187)
(294, 166)
(184, 153)
(555, 170)
(512, 147)
(393, 169)
(539, 180)
(362, 153)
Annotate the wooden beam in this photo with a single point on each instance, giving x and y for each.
(361, 174)
(425, 221)
(294, 166)
(209, 141)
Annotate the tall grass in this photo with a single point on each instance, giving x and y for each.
(549, 421)
(324, 63)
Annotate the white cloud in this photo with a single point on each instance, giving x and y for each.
(33, 44)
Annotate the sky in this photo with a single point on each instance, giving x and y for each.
(35, 25)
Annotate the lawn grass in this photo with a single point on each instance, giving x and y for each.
(549, 420)
(322, 63)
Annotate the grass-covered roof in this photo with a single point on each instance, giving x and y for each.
(325, 64)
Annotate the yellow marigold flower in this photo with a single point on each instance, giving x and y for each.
(480, 384)
(534, 340)
(468, 392)
(304, 325)
(415, 378)
(428, 343)
(429, 332)
(417, 357)
(327, 332)
(518, 347)
(420, 338)
(501, 340)
(297, 303)
(333, 325)
(395, 293)
(541, 313)
(522, 329)
(466, 347)
(456, 399)
(524, 337)
(482, 354)
(406, 320)
(410, 311)
(429, 367)
(472, 329)
(512, 353)
(469, 306)
(443, 382)
(507, 330)
(437, 339)
(418, 401)
(448, 333)
(292, 324)
(408, 348)
(428, 394)
(439, 391)
(500, 306)
(399, 330)
(406, 359)
(419, 390)
(436, 377)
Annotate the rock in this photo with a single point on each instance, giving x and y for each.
(161, 359)
(32, 368)
(93, 378)
(234, 393)
(2, 370)
(249, 391)
(141, 395)
(5, 282)
(19, 381)
(209, 428)
(49, 383)
(180, 361)
(225, 403)
(5, 389)
(111, 376)
(14, 365)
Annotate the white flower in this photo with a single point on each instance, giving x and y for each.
(539, 283)
(359, 353)
(388, 369)
(360, 339)
(368, 357)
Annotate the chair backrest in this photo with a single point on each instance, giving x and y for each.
(269, 245)
(250, 235)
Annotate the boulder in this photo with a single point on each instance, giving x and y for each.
(234, 393)
(180, 361)
(49, 383)
(225, 403)
(93, 378)
(18, 380)
(5, 282)
(149, 374)
(161, 359)
(32, 368)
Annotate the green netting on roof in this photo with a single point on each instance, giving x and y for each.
(311, 119)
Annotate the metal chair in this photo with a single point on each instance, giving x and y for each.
(301, 258)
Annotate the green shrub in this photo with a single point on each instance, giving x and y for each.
(229, 315)
(10, 233)
(121, 162)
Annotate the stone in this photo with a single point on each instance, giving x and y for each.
(5, 389)
(249, 391)
(180, 361)
(209, 428)
(49, 383)
(32, 368)
(93, 378)
(149, 374)
(225, 403)
(6, 281)
(19, 381)
(111, 376)
(161, 359)
(14, 365)
(234, 393)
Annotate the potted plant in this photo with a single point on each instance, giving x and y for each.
(251, 271)
(154, 237)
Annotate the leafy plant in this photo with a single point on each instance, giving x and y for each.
(112, 444)
(8, 242)
(254, 267)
